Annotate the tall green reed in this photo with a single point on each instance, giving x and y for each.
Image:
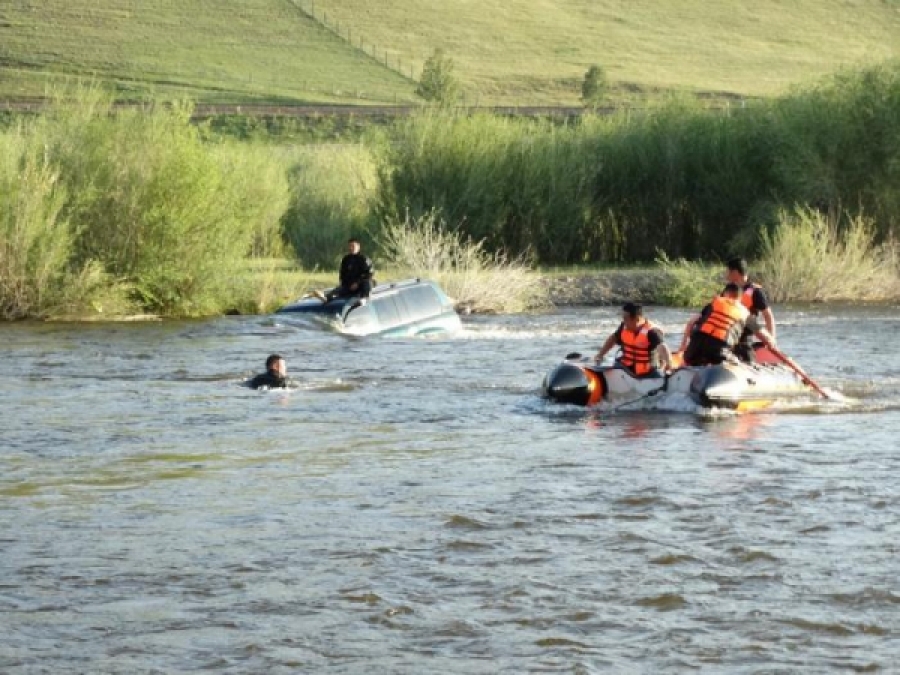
(35, 241)
(331, 191)
(688, 181)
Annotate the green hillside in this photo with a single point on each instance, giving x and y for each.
(539, 50)
(211, 50)
(506, 51)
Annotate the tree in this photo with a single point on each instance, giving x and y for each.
(438, 84)
(594, 87)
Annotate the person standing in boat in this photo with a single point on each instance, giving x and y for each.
(712, 338)
(643, 350)
(355, 275)
(275, 376)
(754, 298)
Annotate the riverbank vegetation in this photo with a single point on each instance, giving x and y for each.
(113, 210)
(130, 212)
(477, 280)
(690, 182)
(812, 257)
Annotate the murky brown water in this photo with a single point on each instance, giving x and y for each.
(414, 506)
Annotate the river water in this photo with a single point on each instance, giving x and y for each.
(414, 506)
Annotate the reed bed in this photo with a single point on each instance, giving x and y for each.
(692, 183)
(332, 188)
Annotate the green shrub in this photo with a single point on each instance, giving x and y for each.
(594, 87)
(842, 147)
(165, 213)
(692, 182)
(476, 279)
(812, 257)
(331, 190)
(35, 242)
(518, 185)
(256, 190)
(438, 84)
(687, 283)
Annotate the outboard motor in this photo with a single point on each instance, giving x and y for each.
(570, 383)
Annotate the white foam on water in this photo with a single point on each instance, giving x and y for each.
(591, 334)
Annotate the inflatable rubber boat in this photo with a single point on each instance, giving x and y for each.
(401, 308)
(736, 386)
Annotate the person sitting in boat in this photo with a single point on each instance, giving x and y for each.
(355, 275)
(275, 376)
(643, 350)
(711, 338)
(754, 298)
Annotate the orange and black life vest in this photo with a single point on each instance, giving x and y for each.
(636, 352)
(726, 321)
(747, 296)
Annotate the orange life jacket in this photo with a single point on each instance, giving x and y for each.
(747, 296)
(726, 321)
(636, 354)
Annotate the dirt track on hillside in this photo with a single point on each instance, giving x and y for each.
(269, 110)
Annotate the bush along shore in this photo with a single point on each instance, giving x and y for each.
(107, 212)
(687, 182)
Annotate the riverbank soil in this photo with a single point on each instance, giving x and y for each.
(605, 287)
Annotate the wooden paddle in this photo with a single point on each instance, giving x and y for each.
(790, 363)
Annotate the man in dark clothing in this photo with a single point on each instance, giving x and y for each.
(714, 335)
(753, 297)
(275, 376)
(355, 274)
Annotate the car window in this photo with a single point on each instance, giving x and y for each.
(422, 301)
(406, 314)
(386, 309)
(362, 319)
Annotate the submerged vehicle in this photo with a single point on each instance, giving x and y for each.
(736, 386)
(401, 308)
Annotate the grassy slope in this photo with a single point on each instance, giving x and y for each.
(506, 51)
(213, 50)
(538, 50)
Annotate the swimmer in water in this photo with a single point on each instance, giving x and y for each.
(275, 376)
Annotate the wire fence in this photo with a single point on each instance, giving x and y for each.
(357, 40)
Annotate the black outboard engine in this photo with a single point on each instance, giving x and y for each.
(569, 383)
